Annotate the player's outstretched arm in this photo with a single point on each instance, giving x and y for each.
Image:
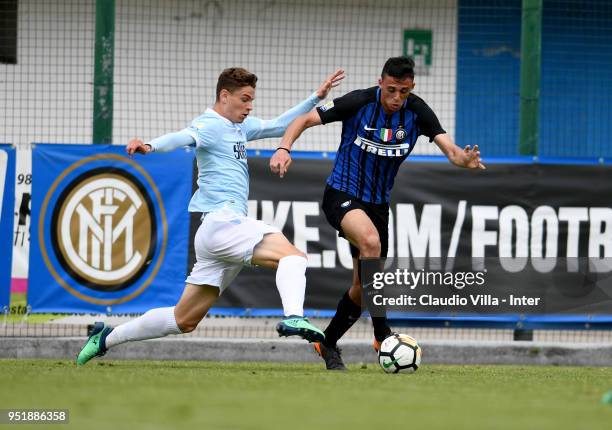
(467, 157)
(281, 160)
(166, 143)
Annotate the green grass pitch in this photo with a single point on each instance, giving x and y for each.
(212, 395)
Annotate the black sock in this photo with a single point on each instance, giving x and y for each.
(381, 329)
(346, 315)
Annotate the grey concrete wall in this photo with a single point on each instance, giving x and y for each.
(521, 353)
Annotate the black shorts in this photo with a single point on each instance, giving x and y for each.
(336, 204)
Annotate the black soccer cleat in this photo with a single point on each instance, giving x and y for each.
(331, 355)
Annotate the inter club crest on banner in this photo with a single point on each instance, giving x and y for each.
(105, 226)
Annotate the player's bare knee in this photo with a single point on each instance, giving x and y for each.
(187, 328)
(293, 251)
(185, 325)
(369, 246)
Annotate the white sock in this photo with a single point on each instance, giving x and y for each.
(155, 323)
(291, 283)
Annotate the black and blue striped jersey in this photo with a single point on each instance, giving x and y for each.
(374, 144)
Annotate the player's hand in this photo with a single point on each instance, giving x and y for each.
(137, 146)
(332, 81)
(280, 162)
(472, 158)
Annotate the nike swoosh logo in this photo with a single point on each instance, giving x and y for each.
(389, 364)
(366, 128)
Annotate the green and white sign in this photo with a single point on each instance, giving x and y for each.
(418, 45)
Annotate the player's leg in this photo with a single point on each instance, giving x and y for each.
(336, 205)
(347, 313)
(232, 238)
(369, 233)
(360, 231)
(193, 305)
(155, 323)
(276, 252)
(368, 236)
(208, 277)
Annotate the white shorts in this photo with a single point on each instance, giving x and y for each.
(224, 244)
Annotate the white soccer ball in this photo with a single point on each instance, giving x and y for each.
(399, 353)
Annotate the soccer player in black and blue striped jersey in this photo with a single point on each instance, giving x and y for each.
(380, 127)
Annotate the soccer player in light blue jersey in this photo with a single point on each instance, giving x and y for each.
(227, 239)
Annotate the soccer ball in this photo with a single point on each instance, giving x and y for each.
(399, 353)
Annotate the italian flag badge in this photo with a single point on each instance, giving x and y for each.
(385, 134)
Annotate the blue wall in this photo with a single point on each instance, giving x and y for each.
(576, 103)
(488, 75)
(576, 87)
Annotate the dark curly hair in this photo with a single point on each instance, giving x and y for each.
(399, 68)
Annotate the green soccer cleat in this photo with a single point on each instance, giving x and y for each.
(294, 325)
(96, 344)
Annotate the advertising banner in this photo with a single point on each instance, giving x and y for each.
(111, 235)
(21, 228)
(109, 232)
(527, 228)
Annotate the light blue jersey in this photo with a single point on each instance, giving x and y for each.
(223, 172)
